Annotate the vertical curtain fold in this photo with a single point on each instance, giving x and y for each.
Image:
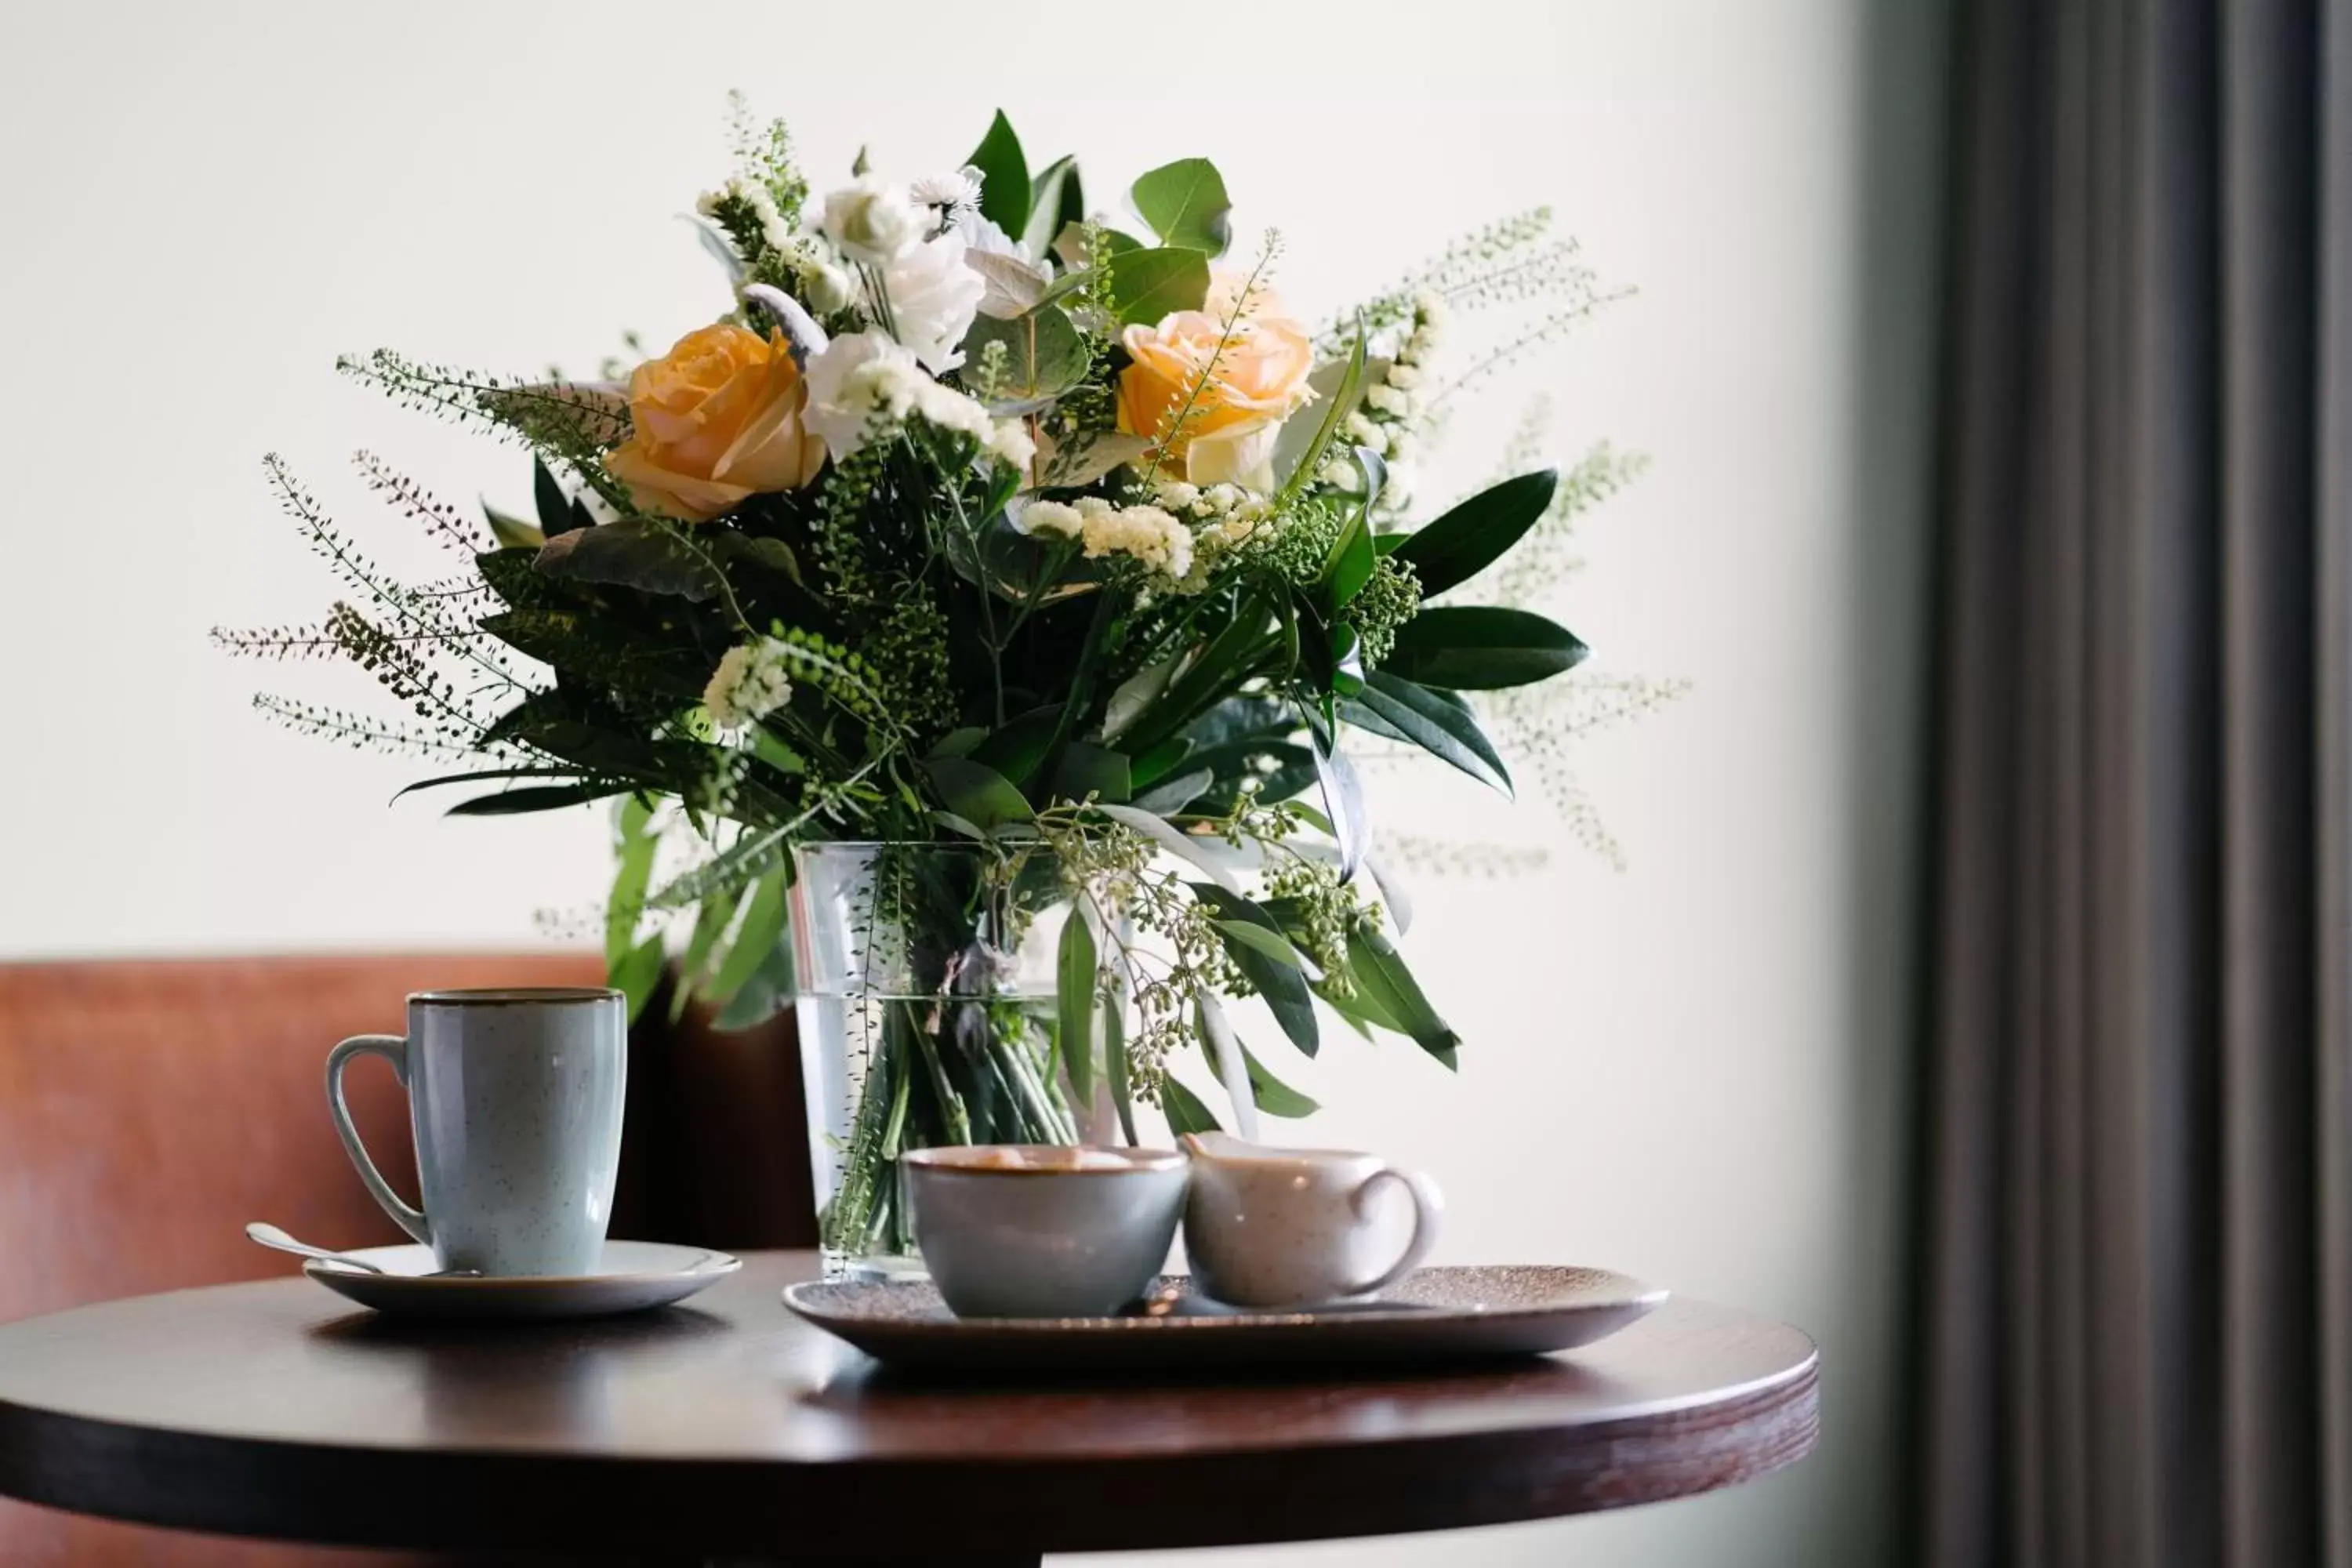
(2136, 1339)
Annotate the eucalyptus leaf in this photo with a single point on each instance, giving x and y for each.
(1392, 892)
(1148, 285)
(1003, 176)
(1014, 285)
(1175, 841)
(1381, 976)
(1442, 729)
(1186, 204)
(1482, 647)
(1269, 944)
(976, 792)
(1282, 984)
(1225, 1054)
(1069, 468)
(1473, 535)
(1343, 798)
(1274, 1097)
(1092, 770)
(1183, 1110)
(1075, 982)
(1130, 698)
(1114, 1033)
(1043, 357)
(1176, 793)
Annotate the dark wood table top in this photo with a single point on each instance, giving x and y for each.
(727, 1427)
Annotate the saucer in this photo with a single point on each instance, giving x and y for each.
(633, 1276)
(1434, 1315)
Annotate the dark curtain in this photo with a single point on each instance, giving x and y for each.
(2138, 1295)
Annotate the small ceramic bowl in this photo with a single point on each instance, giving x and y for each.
(1014, 1230)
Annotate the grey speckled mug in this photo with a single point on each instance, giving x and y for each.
(516, 1100)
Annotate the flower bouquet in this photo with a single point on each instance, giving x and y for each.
(988, 597)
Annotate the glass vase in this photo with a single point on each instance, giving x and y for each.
(927, 1008)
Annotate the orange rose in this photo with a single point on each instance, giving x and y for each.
(715, 420)
(1227, 435)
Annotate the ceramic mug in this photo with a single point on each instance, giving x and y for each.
(1011, 1230)
(515, 1098)
(1301, 1228)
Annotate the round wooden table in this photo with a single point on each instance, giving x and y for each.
(725, 1428)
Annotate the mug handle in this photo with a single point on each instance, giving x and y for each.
(1428, 1204)
(394, 1050)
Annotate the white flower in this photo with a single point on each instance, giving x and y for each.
(1362, 432)
(1397, 489)
(1011, 445)
(858, 375)
(1180, 495)
(1394, 401)
(1050, 517)
(933, 297)
(1338, 475)
(1092, 507)
(958, 191)
(1401, 446)
(1144, 532)
(1224, 497)
(828, 287)
(1403, 376)
(869, 221)
(750, 681)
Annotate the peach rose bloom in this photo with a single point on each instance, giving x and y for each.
(1228, 436)
(714, 421)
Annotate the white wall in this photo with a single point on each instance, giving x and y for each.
(1689, 1070)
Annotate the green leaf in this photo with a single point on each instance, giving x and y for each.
(1055, 198)
(1003, 176)
(1135, 695)
(637, 973)
(711, 919)
(1114, 1031)
(1380, 974)
(512, 532)
(1269, 943)
(1339, 402)
(756, 936)
(1183, 1110)
(1478, 532)
(1276, 1098)
(1348, 567)
(634, 552)
(1442, 729)
(766, 993)
(977, 791)
(1043, 357)
(1186, 204)
(1015, 747)
(556, 515)
(1087, 769)
(1343, 797)
(1148, 285)
(535, 797)
(1176, 793)
(1175, 841)
(1157, 763)
(1073, 982)
(1481, 648)
(1225, 1048)
(632, 870)
(1283, 985)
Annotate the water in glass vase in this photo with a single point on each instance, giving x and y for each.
(927, 1013)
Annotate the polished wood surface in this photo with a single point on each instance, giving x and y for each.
(148, 1108)
(726, 1428)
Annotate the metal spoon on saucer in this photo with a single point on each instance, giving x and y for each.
(269, 1235)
